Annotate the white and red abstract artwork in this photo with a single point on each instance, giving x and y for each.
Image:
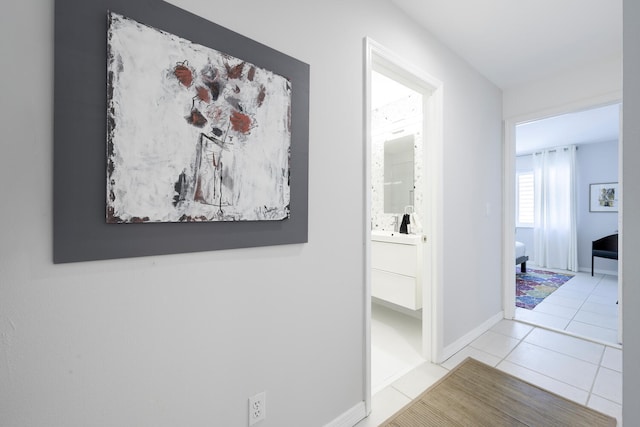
(193, 134)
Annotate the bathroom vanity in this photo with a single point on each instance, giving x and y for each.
(396, 261)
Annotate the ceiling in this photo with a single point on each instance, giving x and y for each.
(515, 42)
(583, 127)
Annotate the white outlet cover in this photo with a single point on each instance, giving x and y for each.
(257, 408)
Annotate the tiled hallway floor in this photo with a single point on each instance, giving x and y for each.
(584, 371)
(584, 306)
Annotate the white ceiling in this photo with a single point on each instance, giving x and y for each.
(514, 42)
(583, 127)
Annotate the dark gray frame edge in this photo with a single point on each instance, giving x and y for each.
(80, 232)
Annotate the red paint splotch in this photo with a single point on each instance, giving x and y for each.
(251, 74)
(198, 196)
(203, 94)
(261, 96)
(240, 122)
(234, 72)
(183, 73)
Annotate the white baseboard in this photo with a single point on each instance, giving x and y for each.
(350, 418)
(598, 271)
(466, 339)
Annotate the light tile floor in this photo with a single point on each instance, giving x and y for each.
(396, 343)
(584, 306)
(584, 371)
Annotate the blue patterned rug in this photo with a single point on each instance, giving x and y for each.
(534, 286)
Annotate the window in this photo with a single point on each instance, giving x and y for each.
(524, 199)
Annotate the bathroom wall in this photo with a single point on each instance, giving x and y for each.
(388, 122)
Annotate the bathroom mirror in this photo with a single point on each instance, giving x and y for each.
(398, 174)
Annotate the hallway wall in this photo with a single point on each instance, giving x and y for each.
(590, 84)
(185, 339)
(630, 251)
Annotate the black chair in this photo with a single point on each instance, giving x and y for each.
(606, 247)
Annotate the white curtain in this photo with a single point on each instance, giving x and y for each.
(554, 230)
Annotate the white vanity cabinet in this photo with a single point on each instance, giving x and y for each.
(396, 275)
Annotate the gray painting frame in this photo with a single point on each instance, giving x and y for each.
(80, 232)
(594, 202)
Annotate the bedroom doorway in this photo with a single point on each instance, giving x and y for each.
(423, 139)
(585, 306)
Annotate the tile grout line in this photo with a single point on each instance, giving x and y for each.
(598, 283)
(599, 277)
(589, 392)
(522, 339)
(595, 377)
(582, 305)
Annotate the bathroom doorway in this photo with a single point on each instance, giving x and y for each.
(403, 158)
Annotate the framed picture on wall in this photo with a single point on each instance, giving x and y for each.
(210, 133)
(604, 197)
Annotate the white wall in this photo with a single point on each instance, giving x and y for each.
(596, 163)
(588, 85)
(185, 339)
(472, 187)
(472, 206)
(631, 213)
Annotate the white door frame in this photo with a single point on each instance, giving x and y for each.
(620, 211)
(509, 190)
(432, 90)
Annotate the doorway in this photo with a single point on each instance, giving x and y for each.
(379, 61)
(589, 308)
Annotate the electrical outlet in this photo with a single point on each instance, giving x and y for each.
(257, 408)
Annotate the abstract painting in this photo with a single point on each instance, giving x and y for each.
(603, 197)
(193, 134)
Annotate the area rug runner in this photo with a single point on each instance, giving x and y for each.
(534, 286)
(475, 394)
